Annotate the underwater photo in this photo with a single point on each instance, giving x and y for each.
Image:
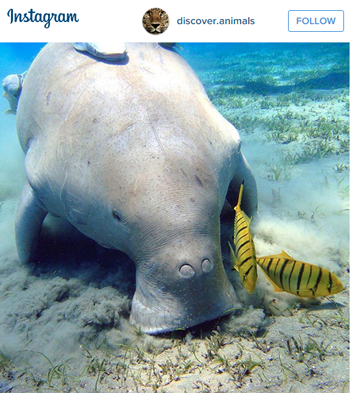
(174, 217)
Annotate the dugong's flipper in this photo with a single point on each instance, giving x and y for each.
(250, 197)
(29, 219)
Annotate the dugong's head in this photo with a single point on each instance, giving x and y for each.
(164, 212)
(180, 278)
(182, 285)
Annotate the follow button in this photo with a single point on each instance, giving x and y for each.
(316, 21)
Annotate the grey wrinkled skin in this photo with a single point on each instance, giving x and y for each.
(136, 157)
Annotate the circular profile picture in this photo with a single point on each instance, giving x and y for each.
(155, 21)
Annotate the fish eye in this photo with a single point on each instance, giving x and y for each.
(116, 215)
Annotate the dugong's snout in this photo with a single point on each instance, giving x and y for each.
(182, 287)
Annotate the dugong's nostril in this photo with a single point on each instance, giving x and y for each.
(187, 271)
(206, 265)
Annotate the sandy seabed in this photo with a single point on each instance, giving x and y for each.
(64, 318)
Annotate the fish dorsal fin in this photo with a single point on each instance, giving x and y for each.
(233, 257)
(285, 255)
(275, 286)
(270, 257)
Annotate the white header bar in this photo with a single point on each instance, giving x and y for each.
(219, 21)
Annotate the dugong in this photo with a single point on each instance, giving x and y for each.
(135, 156)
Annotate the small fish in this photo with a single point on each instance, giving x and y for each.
(110, 51)
(243, 256)
(299, 278)
(12, 86)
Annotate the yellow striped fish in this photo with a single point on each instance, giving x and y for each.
(243, 256)
(299, 278)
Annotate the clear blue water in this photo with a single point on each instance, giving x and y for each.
(21, 55)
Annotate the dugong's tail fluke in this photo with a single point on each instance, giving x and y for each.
(29, 219)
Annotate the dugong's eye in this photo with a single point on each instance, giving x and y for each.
(116, 215)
